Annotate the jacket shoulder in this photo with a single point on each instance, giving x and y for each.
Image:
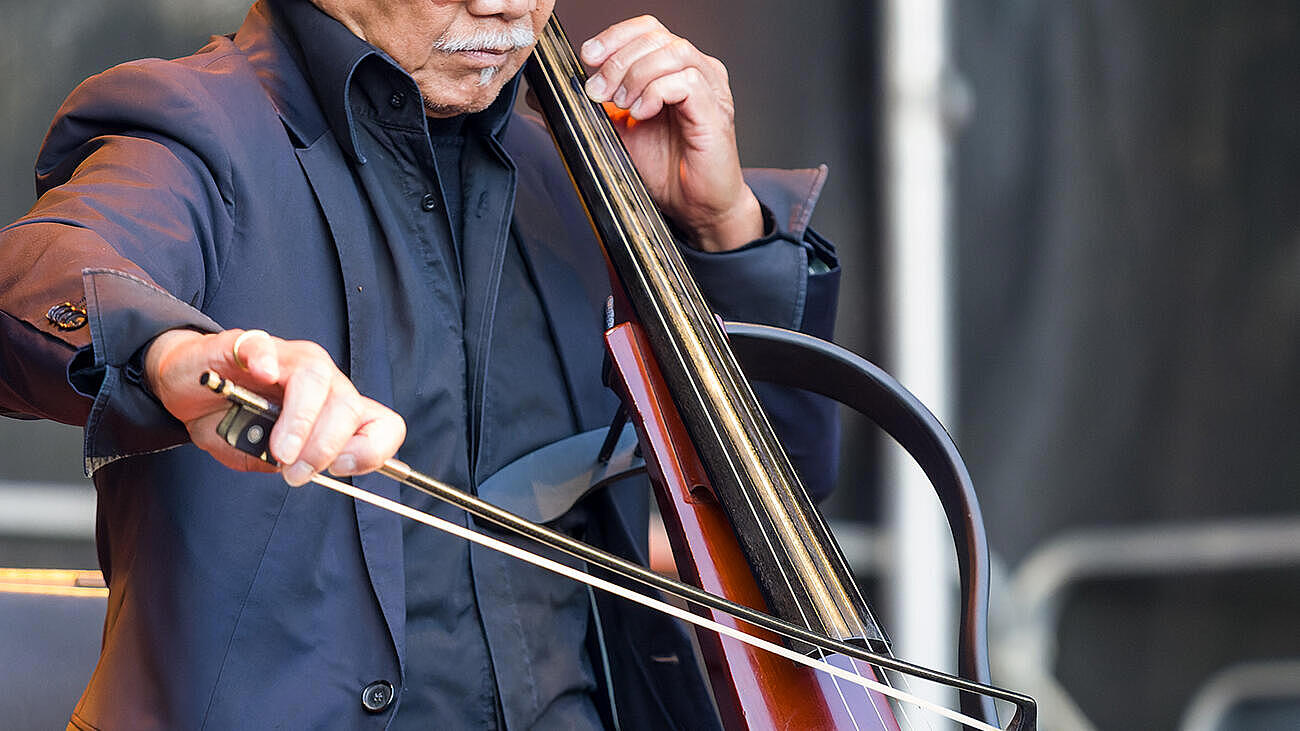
(188, 101)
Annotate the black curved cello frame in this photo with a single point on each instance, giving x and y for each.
(740, 523)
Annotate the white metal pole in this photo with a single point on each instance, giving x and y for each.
(922, 593)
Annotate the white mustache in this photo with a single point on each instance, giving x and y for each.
(514, 37)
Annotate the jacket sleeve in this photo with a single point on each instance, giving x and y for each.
(790, 279)
(121, 245)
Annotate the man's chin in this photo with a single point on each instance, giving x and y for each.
(437, 109)
(483, 89)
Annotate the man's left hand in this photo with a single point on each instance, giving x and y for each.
(674, 110)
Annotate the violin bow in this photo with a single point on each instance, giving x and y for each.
(247, 426)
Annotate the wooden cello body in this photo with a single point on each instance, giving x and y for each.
(753, 689)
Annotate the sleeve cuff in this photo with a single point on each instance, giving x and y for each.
(126, 314)
(790, 277)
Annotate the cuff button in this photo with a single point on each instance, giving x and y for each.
(67, 315)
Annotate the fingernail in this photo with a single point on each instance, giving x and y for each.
(345, 465)
(298, 473)
(636, 109)
(620, 97)
(592, 49)
(596, 88)
(288, 448)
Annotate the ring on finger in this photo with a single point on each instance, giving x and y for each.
(234, 350)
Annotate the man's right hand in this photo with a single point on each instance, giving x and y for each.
(324, 423)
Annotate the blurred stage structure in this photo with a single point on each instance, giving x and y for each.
(1072, 227)
(52, 621)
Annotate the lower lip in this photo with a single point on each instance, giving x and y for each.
(484, 58)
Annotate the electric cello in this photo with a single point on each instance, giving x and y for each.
(787, 639)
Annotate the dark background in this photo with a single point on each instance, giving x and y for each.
(1128, 243)
(1127, 258)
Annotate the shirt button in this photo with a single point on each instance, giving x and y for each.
(377, 696)
(397, 100)
(429, 202)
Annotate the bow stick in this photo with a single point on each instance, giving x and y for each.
(247, 426)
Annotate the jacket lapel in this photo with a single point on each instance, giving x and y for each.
(347, 214)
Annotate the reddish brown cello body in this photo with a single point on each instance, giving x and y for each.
(739, 523)
(753, 689)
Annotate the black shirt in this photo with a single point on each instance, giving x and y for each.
(476, 376)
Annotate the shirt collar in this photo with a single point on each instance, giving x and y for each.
(331, 55)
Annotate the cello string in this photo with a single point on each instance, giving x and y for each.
(748, 415)
(647, 238)
(660, 259)
(548, 564)
(556, 59)
(650, 236)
